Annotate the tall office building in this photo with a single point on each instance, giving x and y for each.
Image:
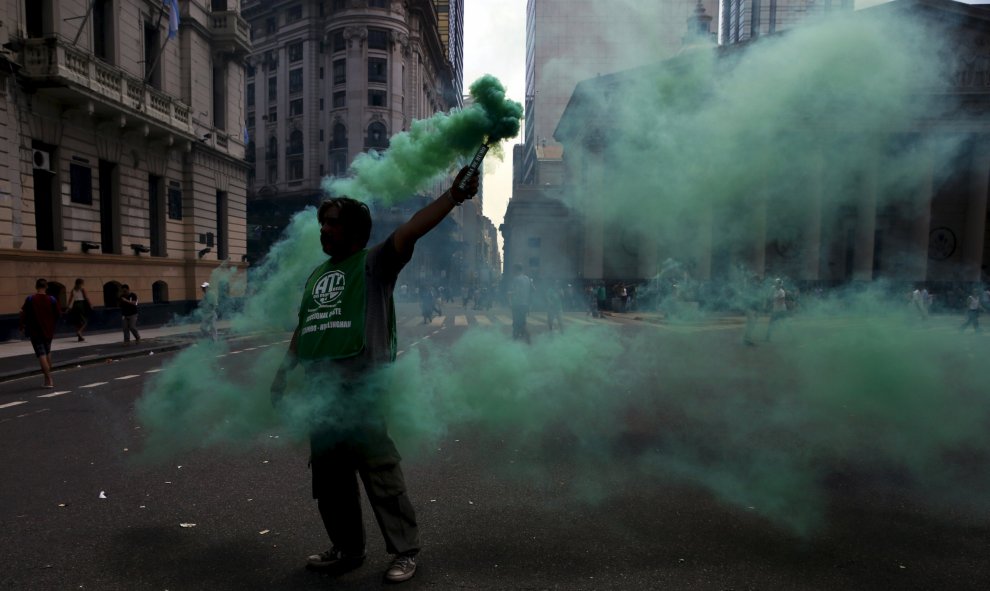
(329, 79)
(121, 148)
(572, 40)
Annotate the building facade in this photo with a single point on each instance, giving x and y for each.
(328, 80)
(928, 226)
(743, 20)
(121, 146)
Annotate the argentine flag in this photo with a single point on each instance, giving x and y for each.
(173, 17)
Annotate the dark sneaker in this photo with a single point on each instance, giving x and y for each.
(333, 560)
(403, 568)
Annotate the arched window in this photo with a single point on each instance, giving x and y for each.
(377, 136)
(295, 143)
(271, 149)
(159, 292)
(111, 294)
(339, 137)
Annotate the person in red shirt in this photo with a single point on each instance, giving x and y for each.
(39, 314)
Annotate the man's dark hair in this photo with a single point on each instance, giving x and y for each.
(41, 284)
(354, 216)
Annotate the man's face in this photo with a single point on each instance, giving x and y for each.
(333, 238)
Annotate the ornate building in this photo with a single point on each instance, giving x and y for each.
(329, 79)
(121, 147)
(905, 202)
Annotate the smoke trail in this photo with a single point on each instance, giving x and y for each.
(427, 150)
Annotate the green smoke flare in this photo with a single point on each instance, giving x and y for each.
(418, 156)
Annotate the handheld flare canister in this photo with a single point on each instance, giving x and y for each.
(474, 166)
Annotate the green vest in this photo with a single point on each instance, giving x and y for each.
(331, 317)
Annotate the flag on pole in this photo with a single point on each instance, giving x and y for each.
(173, 17)
(247, 136)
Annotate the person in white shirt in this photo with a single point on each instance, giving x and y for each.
(778, 304)
(520, 297)
(972, 312)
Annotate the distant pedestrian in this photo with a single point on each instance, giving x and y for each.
(427, 303)
(972, 312)
(555, 307)
(520, 297)
(79, 308)
(128, 303)
(919, 300)
(39, 314)
(208, 309)
(778, 305)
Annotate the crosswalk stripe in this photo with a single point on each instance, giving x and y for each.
(153, 370)
(483, 320)
(54, 394)
(9, 404)
(460, 320)
(128, 377)
(94, 384)
(503, 319)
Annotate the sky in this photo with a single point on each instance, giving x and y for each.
(495, 43)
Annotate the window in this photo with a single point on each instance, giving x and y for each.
(293, 14)
(250, 94)
(339, 71)
(272, 88)
(534, 242)
(321, 72)
(295, 169)
(295, 81)
(218, 5)
(534, 262)
(296, 52)
(377, 69)
(159, 292)
(152, 56)
(377, 136)
(321, 135)
(273, 173)
(220, 96)
(81, 181)
(272, 114)
(271, 58)
(271, 25)
(339, 136)
(377, 39)
(339, 4)
(321, 104)
(295, 108)
(250, 122)
(249, 151)
(378, 3)
(103, 16)
(250, 70)
(339, 100)
(295, 143)
(271, 149)
(376, 98)
(339, 43)
(338, 163)
(174, 201)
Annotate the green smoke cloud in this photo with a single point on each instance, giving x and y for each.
(427, 150)
(855, 388)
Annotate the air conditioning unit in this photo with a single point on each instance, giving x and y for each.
(41, 160)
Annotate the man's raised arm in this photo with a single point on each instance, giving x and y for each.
(426, 219)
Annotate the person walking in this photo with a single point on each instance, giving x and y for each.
(79, 308)
(555, 307)
(208, 309)
(346, 332)
(38, 317)
(128, 303)
(778, 305)
(972, 312)
(520, 298)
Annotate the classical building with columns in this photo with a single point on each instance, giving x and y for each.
(121, 148)
(933, 231)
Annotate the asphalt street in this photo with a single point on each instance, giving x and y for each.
(80, 510)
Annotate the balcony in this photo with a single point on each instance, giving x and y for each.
(231, 33)
(52, 65)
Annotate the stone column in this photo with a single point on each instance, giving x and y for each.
(974, 236)
(866, 225)
(916, 266)
(811, 250)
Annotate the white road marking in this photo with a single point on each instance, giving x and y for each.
(503, 319)
(460, 320)
(94, 384)
(153, 370)
(251, 349)
(54, 394)
(483, 320)
(128, 377)
(235, 352)
(9, 404)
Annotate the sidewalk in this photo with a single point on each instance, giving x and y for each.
(18, 360)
